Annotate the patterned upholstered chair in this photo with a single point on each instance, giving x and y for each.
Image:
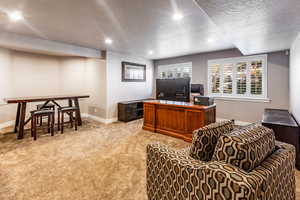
(246, 164)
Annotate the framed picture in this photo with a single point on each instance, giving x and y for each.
(133, 72)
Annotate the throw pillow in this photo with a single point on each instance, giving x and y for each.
(206, 138)
(245, 148)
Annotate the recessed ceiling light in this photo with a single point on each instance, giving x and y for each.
(210, 40)
(15, 16)
(177, 16)
(108, 41)
(150, 52)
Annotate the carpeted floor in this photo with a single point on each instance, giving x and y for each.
(97, 162)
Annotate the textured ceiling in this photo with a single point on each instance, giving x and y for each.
(255, 26)
(136, 26)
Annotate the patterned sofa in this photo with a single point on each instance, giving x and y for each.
(176, 174)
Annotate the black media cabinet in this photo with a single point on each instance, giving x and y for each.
(285, 127)
(131, 110)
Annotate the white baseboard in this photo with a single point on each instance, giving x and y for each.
(85, 115)
(7, 124)
(109, 121)
(99, 119)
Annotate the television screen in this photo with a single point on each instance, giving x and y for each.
(173, 89)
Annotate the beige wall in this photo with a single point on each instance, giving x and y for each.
(26, 74)
(117, 90)
(96, 84)
(295, 79)
(278, 84)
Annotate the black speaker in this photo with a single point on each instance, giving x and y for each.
(204, 101)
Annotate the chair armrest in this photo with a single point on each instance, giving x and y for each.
(275, 176)
(273, 179)
(162, 152)
(163, 170)
(223, 179)
(172, 174)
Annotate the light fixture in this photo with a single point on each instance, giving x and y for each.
(177, 16)
(15, 16)
(210, 40)
(108, 41)
(150, 52)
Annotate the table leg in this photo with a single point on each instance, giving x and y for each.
(22, 121)
(70, 103)
(17, 118)
(78, 115)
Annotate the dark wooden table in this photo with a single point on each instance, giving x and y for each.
(22, 102)
(285, 127)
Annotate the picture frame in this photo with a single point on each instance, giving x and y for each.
(133, 72)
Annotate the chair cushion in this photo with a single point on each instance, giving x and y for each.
(42, 112)
(246, 147)
(205, 139)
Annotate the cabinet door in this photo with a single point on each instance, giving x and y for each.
(149, 115)
(130, 112)
(194, 120)
(170, 119)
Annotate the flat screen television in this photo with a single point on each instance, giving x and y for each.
(173, 89)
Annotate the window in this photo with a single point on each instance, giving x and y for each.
(215, 78)
(227, 83)
(180, 70)
(243, 77)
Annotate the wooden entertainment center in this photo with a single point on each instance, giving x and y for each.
(177, 119)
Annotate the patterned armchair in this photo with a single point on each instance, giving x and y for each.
(174, 174)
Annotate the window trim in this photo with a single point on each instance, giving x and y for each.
(233, 61)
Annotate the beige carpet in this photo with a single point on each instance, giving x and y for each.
(97, 162)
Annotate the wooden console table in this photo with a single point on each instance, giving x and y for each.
(177, 119)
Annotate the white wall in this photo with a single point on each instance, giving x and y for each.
(123, 91)
(28, 74)
(295, 79)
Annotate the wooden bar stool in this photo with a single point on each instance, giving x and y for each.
(70, 111)
(49, 106)
(59, 115)
(42, 113)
